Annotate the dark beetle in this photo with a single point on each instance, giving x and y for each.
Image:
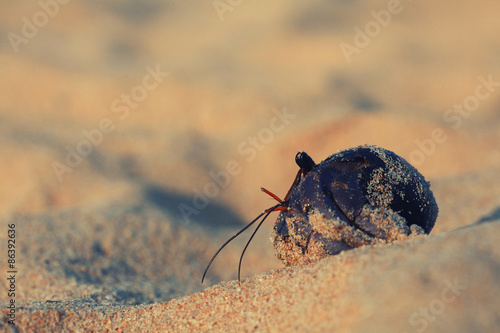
(359, 196)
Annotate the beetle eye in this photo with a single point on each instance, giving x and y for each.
(304, 161)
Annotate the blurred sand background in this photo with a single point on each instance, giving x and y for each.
(105, 245)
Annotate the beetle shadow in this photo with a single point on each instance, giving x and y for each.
(493, 216)
(180, 207)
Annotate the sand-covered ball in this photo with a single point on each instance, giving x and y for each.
(360, 196)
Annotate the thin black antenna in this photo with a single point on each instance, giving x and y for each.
(237, 234)
(253, 234)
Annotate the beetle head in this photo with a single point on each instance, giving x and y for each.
(304, 161)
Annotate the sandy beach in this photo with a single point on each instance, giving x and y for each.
(136, 135)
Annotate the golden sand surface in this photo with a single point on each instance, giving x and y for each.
(135, 135)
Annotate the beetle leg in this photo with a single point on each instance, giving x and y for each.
(331, 246)
(382, 223)
(277, 209)
(274, 196)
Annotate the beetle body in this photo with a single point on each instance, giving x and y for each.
(359, 196)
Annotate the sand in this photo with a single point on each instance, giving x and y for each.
(117, 237)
